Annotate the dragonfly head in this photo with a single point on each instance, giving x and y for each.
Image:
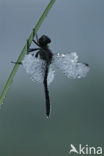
(44, 40)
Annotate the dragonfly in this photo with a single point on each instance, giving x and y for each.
(41, 65)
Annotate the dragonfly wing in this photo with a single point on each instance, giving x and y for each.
(51, 74)
(69, 65)
(35, 67)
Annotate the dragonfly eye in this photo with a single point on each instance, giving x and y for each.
(44, 40)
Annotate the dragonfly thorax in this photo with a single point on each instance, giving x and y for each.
(46, 55)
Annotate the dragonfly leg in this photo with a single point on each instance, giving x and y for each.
(31, 49)
(37, 54)
(17, 62)
(37, 40)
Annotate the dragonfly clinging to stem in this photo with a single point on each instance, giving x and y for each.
(41, 65)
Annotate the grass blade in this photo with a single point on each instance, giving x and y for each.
(15, 68)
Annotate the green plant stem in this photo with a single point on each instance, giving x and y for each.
(15, 68)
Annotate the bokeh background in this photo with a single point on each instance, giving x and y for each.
(77, 105)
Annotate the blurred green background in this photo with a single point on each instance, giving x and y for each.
(77, 105)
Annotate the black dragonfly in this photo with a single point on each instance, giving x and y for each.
(41, 65)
